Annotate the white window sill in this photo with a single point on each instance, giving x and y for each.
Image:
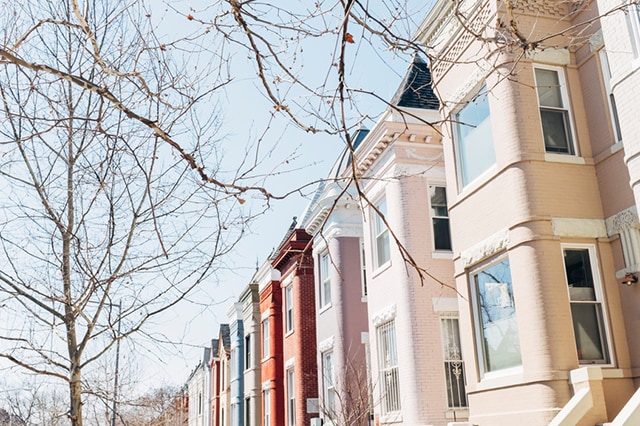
(389, 418)
(324, 308)
(442, 254)
(617, 147)
(563, 158)
(380, 269)
(457, 413)
(501, 378)
(288, 333)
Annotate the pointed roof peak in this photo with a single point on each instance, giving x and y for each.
(415, 91)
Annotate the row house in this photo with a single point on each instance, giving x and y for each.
(250, 303)
(236, 364)
(219, 362)
(294, 263)
(198, 391)
(541, 155)
(334, 219)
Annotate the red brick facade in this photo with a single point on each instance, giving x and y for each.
(272, 365)
(295, 263)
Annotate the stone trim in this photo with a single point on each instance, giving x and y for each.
(574, 227)
(385, 315)
(326, 345)
(486, 248)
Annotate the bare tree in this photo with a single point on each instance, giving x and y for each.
(103, 225)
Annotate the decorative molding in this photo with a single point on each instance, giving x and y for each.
(326, 345)
(411, 153)
(266, 385)
(290, 363)
(287, 281)
(575, 227)
(486, 248)
(625, 219)
(470, 85)
(385, 315)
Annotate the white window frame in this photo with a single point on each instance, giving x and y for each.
(572, 145)
(266, 348)
(611, 101)
(325, 280)
(599, 302)
(380, 235)
(485, 370)
(388, 367)
(633, 21)
(266, 407)
(453, 361)
(291, 397)
(247, 411)
(329, 397)
(288, 306)
(363, 272)
(247, 351)
(439, 217)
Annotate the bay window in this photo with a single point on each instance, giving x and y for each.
(496, 328)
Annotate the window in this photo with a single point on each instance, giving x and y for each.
(497, 335)
(199, 403)
(586, 308)
(266, 350)
(266, 407)
(363, 269)
(554, 112)
(288, 302)
(613, 110)
(328, 385)
(247, 351)
(388, 365)
(440, 218)
(453, 363)
(291, 397)
(473, 139)
(247, 411)
(382, 252)
(325, 281)
(633, 21)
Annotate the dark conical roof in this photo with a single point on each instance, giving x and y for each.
(415, 91)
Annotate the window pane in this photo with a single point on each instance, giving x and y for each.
(549, 92)
(586, 326)
(453, 364)
(555, 130)
(499, 329)
(381, 233)
(578, 268)
(388, 366)
(474, 139)
(442, 235)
